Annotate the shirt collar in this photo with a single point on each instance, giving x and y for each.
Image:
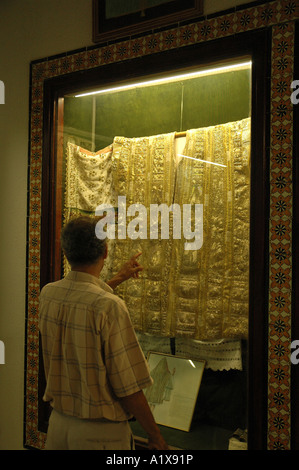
(85, 277)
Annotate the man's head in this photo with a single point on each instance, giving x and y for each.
(80, 244)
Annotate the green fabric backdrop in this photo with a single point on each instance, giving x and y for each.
(152, 110)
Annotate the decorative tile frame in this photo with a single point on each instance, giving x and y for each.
(280, 16)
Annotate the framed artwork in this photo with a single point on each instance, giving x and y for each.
(114, 19)
(172, 397)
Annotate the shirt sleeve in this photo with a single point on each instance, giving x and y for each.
(126, 366)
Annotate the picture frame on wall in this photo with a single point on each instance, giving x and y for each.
(113, 19)
(173, 394)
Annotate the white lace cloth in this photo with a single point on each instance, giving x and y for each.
(88, 184)
(223, 354)
(88, 178)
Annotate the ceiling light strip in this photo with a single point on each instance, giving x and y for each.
(158, 81)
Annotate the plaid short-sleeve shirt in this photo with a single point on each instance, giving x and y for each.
(90, 350)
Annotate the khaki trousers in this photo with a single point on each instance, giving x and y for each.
(70, 433)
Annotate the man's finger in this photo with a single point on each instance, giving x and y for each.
(137, 255)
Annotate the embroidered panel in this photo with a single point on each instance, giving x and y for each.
(215, 277)
(277, 15)
(200, 291)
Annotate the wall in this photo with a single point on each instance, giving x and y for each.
(29, 30)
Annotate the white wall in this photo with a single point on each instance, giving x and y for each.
(29, 30)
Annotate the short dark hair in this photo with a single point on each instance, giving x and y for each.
(80, 243)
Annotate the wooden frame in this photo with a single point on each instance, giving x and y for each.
(129, 22)
(295, 249)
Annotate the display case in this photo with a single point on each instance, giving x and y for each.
(179, 139)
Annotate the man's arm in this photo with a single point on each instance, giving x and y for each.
(137, 405)
(130, 269)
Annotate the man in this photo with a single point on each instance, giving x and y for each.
(95, 370)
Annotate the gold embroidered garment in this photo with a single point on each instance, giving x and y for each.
(200, 293)
(144, 172)
(209, 287)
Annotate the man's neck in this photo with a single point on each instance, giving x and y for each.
(93, 269)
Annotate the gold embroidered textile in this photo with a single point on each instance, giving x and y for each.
(200, 294)
(144, 172)
(209, 287)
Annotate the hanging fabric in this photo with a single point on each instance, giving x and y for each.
(209, 287)
(200, 294)
(144, 171)
(88, 183)
(88, 178)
